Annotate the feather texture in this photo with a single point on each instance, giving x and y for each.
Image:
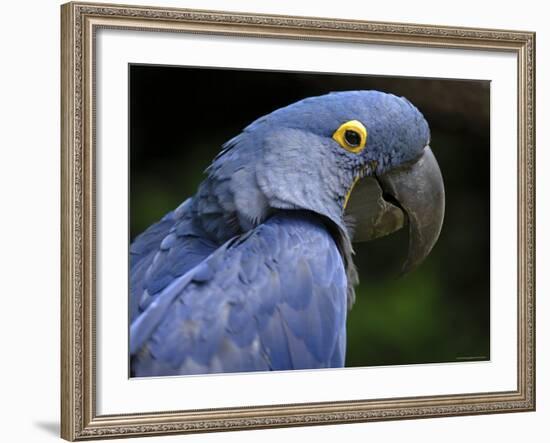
(270, 299)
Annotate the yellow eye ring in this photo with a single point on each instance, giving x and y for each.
(352, 136)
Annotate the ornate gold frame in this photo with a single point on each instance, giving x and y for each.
(79, 23)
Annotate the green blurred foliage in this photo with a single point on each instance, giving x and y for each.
(179, 118)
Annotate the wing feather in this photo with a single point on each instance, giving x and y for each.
(162, 254)
(271, 299)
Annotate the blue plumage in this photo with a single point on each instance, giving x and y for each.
(216, 318)
(254, 272)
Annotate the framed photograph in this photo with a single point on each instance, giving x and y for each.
(283, 221)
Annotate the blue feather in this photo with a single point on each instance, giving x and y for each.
(255, 322)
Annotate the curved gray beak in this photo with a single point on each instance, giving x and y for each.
(412, 194)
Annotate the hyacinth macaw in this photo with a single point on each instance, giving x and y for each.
(255, 272)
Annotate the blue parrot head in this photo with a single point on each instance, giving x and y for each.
(357, 158)
(364, 128)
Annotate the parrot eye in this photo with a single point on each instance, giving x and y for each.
(352, 136)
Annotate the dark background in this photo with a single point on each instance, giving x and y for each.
(440, 312)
